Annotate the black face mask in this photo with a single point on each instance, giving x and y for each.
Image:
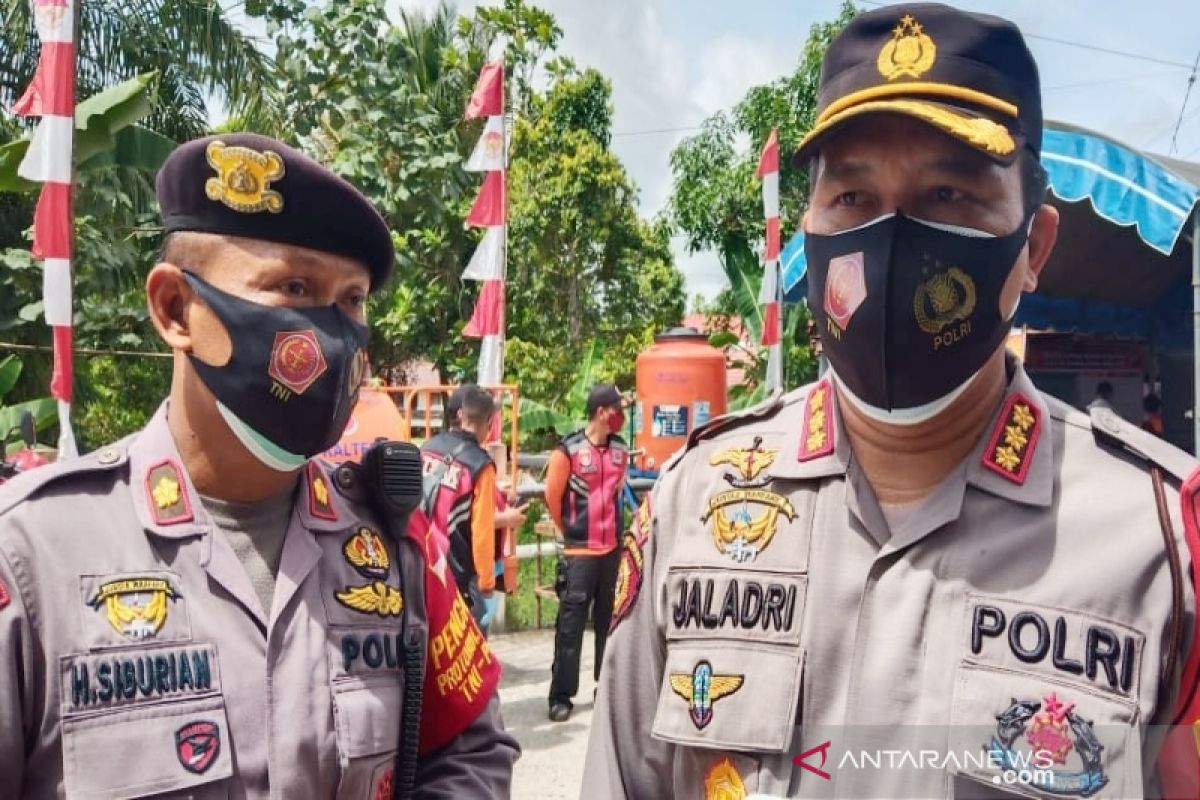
(292, 379)
(908, 312)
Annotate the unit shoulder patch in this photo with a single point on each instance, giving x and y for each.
(631, 566)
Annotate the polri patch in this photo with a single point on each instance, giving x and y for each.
(198, 744)
(1057, 643)
(702, 688)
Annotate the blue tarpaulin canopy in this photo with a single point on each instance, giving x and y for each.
(1126, 250)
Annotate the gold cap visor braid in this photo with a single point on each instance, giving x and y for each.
(982, 133)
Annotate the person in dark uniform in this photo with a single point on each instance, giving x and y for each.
(201, 609)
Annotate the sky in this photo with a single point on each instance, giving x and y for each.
(673, 63)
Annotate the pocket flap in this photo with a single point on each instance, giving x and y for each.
(367, 714)
(161, 748)
(729, 695)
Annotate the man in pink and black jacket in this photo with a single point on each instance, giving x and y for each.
(583, 493)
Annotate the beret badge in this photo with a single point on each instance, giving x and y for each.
(244, 178)
(909, 53)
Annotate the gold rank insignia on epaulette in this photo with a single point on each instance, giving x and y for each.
(1010, 449)
(319, 502)
(169, 504)
(816, 433)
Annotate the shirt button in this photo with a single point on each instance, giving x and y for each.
(109, 455)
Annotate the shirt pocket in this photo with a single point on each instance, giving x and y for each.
(366, 715)
(175, 749)
(1021, 734)
(729, 696)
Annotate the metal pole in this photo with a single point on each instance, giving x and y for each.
(1196, 330)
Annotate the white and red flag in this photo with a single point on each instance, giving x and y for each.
(772, 321)
(490, 211)
(51, 96)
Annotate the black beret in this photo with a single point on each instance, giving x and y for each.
(244, 184)
(968, 75)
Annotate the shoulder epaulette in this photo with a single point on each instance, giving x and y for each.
(1112, 431)
(25, 485)
(729, 421)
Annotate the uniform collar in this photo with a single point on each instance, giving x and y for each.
(168, 505)
(164, 499)
(1014, 458)
(321, 507)
(821, 449)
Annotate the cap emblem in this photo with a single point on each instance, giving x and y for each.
(244, 178)
(909, 53)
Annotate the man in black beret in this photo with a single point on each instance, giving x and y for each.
(920, 576)
(201, 609)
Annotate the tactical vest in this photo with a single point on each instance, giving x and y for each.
(591, 505)
(464, 459)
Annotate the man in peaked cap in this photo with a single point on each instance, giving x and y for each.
(200, 609)
(919, 576)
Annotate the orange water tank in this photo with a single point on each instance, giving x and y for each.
(680, 385)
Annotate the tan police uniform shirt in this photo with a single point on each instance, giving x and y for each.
(1023, 608)
(135, 659)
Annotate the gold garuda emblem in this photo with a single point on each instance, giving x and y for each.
(374, 598)
(945, 298)
(742, 535)
(135, 607)
(909, 53)
(244, 178)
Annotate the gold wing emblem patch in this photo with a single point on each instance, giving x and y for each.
(703, 687)
(373, 598)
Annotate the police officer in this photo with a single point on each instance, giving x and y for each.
(198, 610)
(920, 576)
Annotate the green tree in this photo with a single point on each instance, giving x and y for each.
(717, 202)
(383, 104)
(193, 45)
(582, 264)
